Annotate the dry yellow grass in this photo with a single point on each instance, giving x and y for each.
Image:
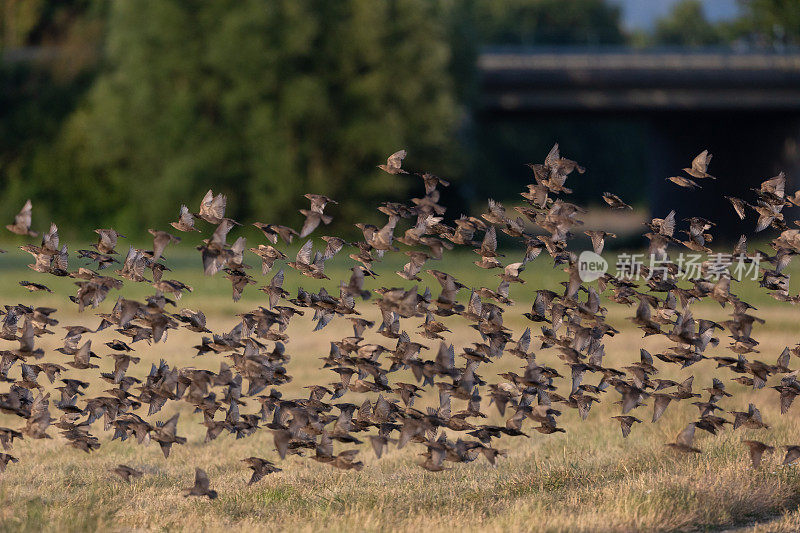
(589, 479)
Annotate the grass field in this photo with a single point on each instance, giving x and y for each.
(588, 479)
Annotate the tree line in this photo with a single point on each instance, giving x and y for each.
(147, 102)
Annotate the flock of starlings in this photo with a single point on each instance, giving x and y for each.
(573, 324)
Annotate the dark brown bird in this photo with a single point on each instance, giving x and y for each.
(626, 422)
(185, 220)
(683, 442)
(273, 231)
(757, 451)
(684, 182)
(750, 419)
(379, 444)
(239, 280)
(5, 459)
(315, 215)
(792, 454)
(412, 269)
(700, 165)
(125, 472)
(393, 163)
(7, 437)
(599, 239)
(260, 468)
(212, 208)
(160, 241)
(435, 457)
(107, 241)
(201, 486)
(275, 290)
(165, 433)
(268, 256)
(738, 206)
(39, 419)
(22, 221)
(717, 391)
(488, 250)
(82, 357)
(34, 287)
(615, 201)
(308, 265)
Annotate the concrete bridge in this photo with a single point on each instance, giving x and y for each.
(625, 80)
(743, 106)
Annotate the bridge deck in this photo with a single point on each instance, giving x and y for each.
(653, 80)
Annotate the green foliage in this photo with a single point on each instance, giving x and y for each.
(473, 24)
(261, 100)
(37, 97)
(771, 22)
(687, 25)
(761, 23)
(33, 106)
(267, 99)
(18, 19)
(547, 22)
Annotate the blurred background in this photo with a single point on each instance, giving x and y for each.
(115, 113)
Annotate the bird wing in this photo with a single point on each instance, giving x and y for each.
(201, 480)
(23, 218)
(686, 437)
(396, 159)
(304, 254)
(489, 244)
(701, 161)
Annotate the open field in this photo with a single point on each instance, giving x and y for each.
(588, 479)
